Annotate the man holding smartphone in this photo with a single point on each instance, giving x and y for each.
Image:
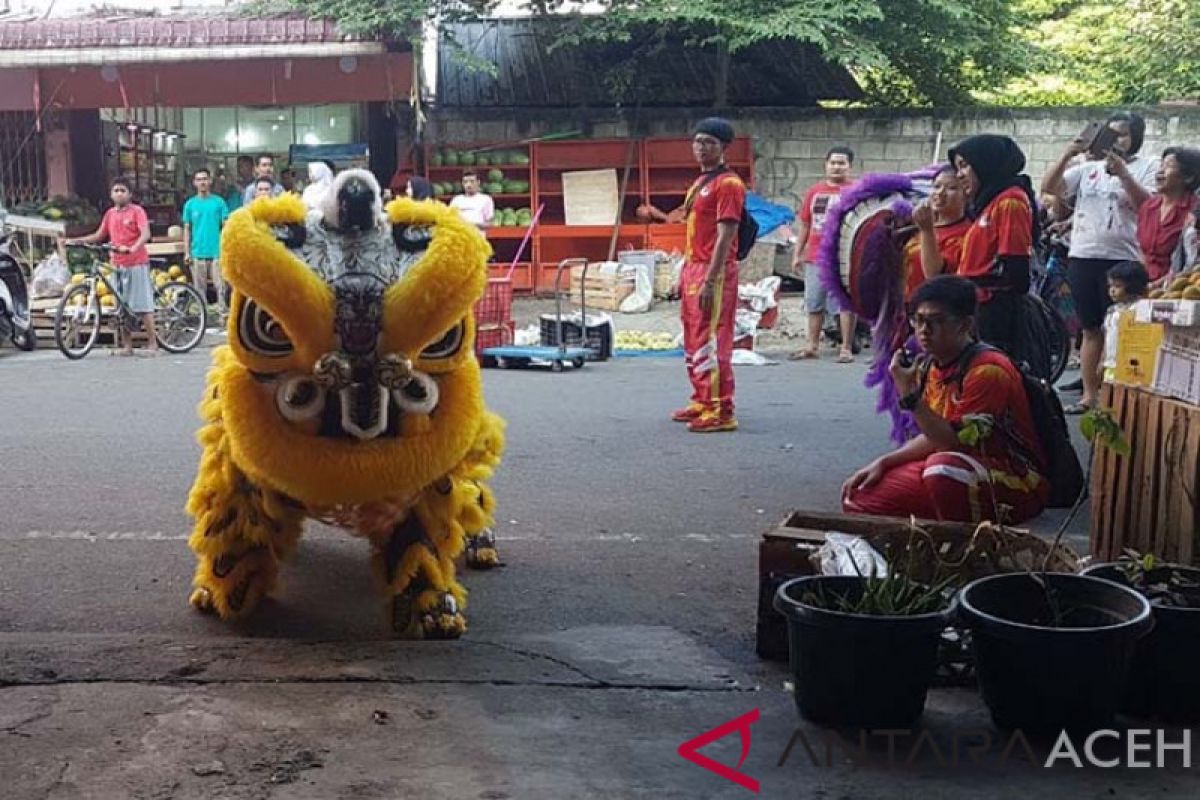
(1107, 191)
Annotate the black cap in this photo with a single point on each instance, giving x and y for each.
(716, 127)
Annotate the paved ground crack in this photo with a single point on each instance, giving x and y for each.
(544, 657)
(398, 681)
(14, 729)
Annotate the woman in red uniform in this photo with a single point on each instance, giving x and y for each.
(941, 225)
(997, 248)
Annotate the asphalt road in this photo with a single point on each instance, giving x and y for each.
(630, 549)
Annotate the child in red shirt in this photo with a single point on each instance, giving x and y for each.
(127, 229)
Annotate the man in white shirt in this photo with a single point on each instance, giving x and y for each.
(473, 205)
(1106, 193)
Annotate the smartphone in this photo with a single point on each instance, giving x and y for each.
(1103, 142)
(906, 358)
(1097, 139)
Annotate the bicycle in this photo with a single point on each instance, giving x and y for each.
(180, 315)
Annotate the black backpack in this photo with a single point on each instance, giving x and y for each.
(747, 228)
(1063, 469)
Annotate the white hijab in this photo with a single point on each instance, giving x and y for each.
(320, 180)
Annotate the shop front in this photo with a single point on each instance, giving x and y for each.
(155, 98)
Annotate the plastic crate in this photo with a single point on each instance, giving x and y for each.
(494, 336)
(495, 307)
(599, 336)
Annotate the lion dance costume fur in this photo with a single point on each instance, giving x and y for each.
(349, 392)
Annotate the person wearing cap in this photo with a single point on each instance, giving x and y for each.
(713, 209)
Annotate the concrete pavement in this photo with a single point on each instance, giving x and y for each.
(621, 626)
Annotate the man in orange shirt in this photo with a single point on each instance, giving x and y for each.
(708, 285)
(1003, 476)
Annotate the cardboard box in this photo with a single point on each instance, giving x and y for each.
(1184, 313)
(1138, 344)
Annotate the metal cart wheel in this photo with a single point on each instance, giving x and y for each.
(577, 363)
(556, 365)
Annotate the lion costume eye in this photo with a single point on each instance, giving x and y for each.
(260, 333)
(446, 346)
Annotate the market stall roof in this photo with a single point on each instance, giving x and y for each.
(531, 72)
(114, 39)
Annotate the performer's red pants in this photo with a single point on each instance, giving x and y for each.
(708, 336)
(953, 487)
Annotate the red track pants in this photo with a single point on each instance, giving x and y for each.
(708, 337)
(953, 487)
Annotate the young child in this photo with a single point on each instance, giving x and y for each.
(126, 227)
(203, 215)
(1128, 282)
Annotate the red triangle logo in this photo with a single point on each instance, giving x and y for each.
(689, 750)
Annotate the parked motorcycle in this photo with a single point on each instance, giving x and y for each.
(15, 321)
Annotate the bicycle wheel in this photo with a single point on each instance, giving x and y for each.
(1058, 342)
(180, 317)
(77, 323)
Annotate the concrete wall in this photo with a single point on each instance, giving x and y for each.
(790, 144)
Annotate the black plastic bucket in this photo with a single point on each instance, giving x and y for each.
(857, 670)
(1039, 678)
(1164, 679)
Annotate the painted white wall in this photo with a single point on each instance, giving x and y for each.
(67, 8)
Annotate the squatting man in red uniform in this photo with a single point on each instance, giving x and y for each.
(935, 475)
(708, 285)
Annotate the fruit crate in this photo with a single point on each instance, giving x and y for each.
(495, 307)
(599, 335)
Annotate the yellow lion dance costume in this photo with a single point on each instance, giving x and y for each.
(349, 392)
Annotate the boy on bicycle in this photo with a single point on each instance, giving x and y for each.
(127, 229)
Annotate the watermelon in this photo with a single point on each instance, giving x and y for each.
(495, 176)
(466, 158)
(520, 158)
(494, 188)
(437, 159)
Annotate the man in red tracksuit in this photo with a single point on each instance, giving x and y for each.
(708, 285)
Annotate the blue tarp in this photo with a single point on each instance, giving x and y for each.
(768, 215)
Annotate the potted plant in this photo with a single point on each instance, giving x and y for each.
(1164, 680)
(863, 649)
(1052, 650)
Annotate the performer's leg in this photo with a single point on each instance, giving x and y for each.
(899, 493)
(416, 561)
(694, 336)
(241, 530)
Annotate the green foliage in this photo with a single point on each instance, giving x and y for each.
(892, 595)
(976, 428)
(1107, 53)
(1098, 426)
(1158, 581)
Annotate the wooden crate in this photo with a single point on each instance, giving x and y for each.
(1147, 501)
(42, 311)
(602, 292)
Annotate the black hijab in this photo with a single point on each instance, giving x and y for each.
(997, 162)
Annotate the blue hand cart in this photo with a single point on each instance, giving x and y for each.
(512, 355)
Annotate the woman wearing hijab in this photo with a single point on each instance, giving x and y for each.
(320, 179)
(997, 248)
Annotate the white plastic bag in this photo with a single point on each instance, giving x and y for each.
(759, 296)
(528, 336)
(843, 554)
(749, 358)
(642, 298)
(50, 277)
